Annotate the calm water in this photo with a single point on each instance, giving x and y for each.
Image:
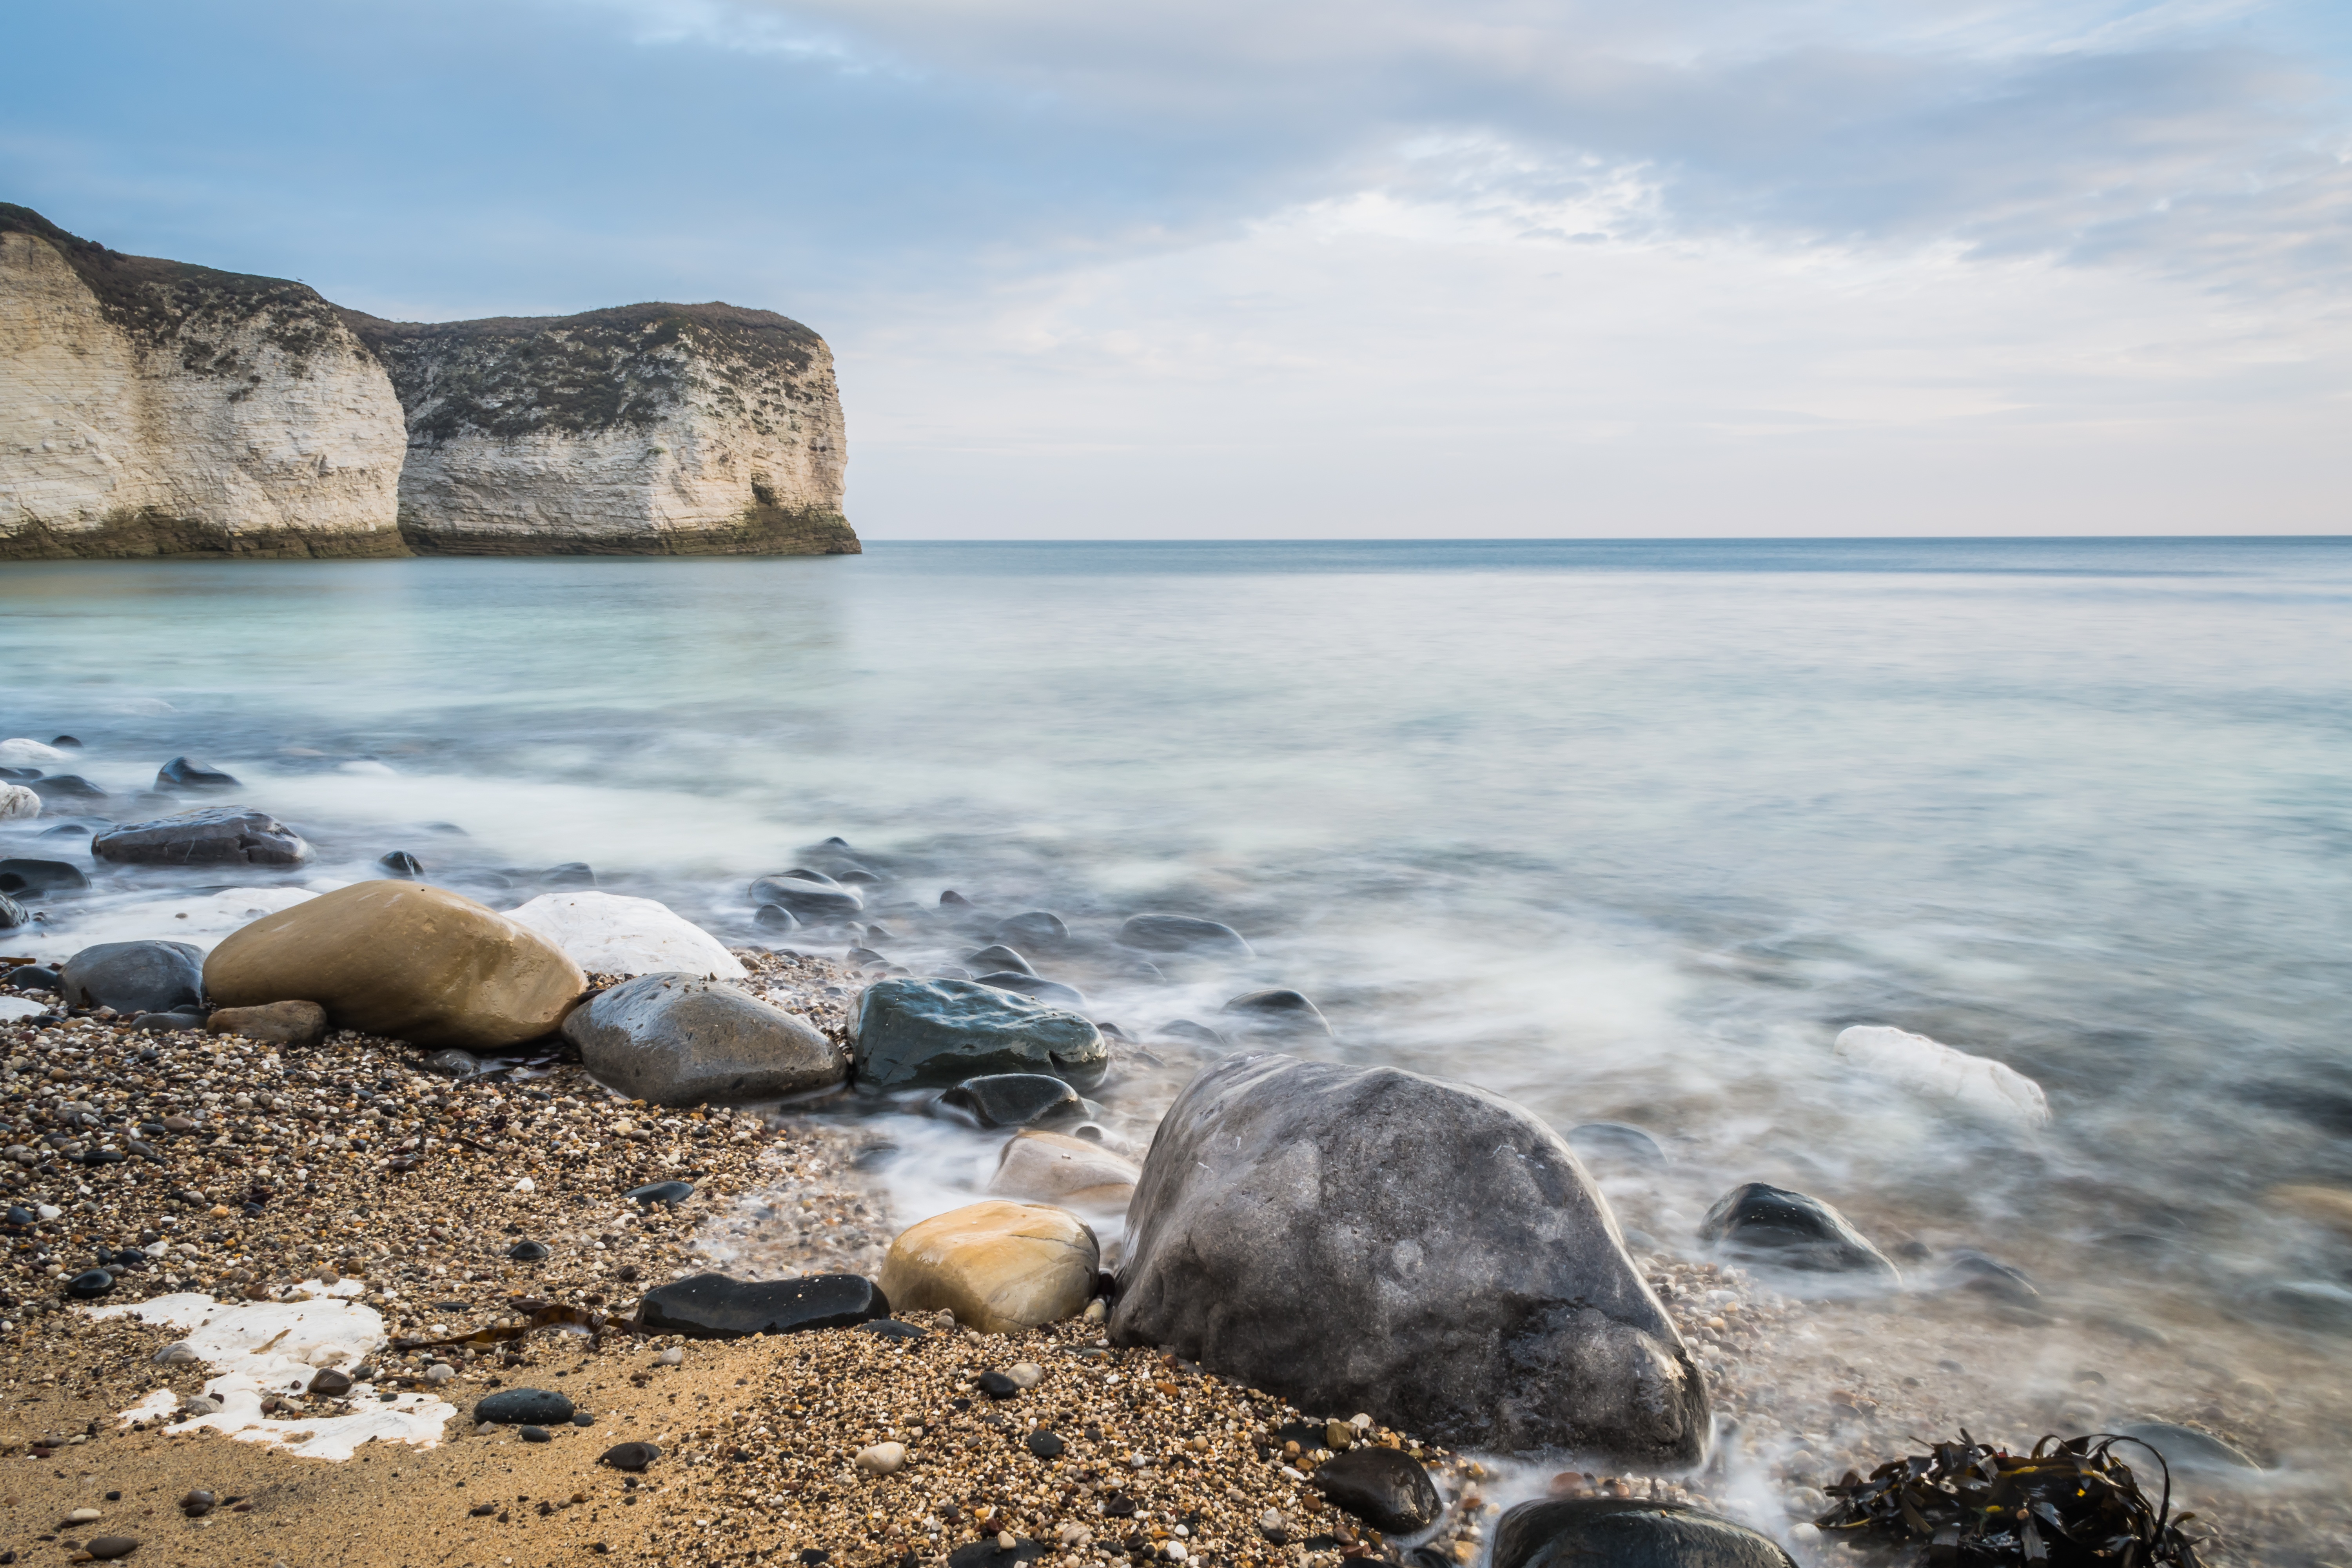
(1625, 831)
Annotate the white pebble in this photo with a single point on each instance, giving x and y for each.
(83, 1516)
(1175, 1552)
(882, 1458)
(526, 1185)
(670, 1357)
(1026, 1374)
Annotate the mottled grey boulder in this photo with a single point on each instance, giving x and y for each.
(918, 1034)
(133, 976)
(1627, 1532)
(680, 1040)
(216, 836)
(1363, 1238)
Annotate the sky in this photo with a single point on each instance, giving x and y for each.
(1249, 269)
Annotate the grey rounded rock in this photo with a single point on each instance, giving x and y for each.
(774, 917)
(218, 836)
(1034, 928)
(914, 1034)
(1181, 933)
(1791, 1230)
(31, 977)
(20, 874)
(1013, 1099)
(1386, 1490)
(570, 874)
(670, 1193)
(714, 1307)
(680, 1040)
(1366, 1238)
(134, 976)
(528, 1252)
(807, 900)
(1615, 1140)
(630, 1456)
(521, 1406)
(1627, 1532)
(2186, 1450)
(1279, 1011)
(1051, 991)
(183, 773)
(996, 958)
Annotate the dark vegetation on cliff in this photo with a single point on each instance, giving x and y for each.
(188, 308)
(601, 370)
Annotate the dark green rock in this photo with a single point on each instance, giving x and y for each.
(918, 1033)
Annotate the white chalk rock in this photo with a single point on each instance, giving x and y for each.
(605, 933)
(16, 802)
(1931, 1068)
(18, 752)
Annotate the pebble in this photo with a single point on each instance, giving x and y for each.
(670, 1357)
(107, 1547)
(536, 1435)
(331, 1384)
(882, 1458)
(669, 1194)
(630, 1456)
(529, 1252)
(1026, 1374)
(524, 1407)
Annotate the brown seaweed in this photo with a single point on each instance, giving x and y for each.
(535, 1315)
(2072, 1501)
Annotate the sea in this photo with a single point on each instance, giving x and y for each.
(1627, 831)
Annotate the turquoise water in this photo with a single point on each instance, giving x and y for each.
(1625, 830)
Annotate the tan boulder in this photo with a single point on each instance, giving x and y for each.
(1055, 1168)
(997, 1266)
(275, 1024)
(2330, 1206)
(403, 960)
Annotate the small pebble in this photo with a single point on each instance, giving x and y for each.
(882, 1458)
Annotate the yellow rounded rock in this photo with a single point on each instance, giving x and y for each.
(997, 1266)
(403, 960)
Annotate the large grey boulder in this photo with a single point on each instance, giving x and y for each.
(1363, 1238)
(918, 1033)
(216, 836)
(681, 1039)
(133, 976)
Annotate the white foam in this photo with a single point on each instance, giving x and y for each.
(208, 918)
(16, 751)
(260, 1348)
(1931, 1068)
(609, 934)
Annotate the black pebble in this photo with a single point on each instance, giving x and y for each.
(814, 1555)
(401, 863)
(988, 1555)
(1387, 1489)
(518, 1406)
(892, 1328)
(994, 1384)
(534, 1434)
(1045, 1445)
(631, 1456)
(774, 917)
(581, 1418)
(528, 1252)
(91, 1286)
(1119, 1505)
(670, 1193)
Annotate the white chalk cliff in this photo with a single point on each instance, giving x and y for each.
(151, 407)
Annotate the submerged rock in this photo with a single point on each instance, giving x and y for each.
(806, 899)
(1181, 933)
(1386, 1490)
(1050, 1167)
(215, 836)
(19, 875)
(1791, 1230)
(921, 1033)
(1615, 1140)
(679, 1039)
(1277, 1012)
(605, 933)
(133, 976)
(1051, 991)
(1363, 1238)
(2186, 1450)
(1013, 1099)
(1932, 1068)
(402, 959)
(712, 1306)
(997, 1266)
(997, 958)
(182, 772)
(1037, 928)
(1627, 1532)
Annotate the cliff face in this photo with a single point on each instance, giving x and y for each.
(648, 429)
(148, 408)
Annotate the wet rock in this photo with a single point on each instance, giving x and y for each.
(630, 1456)
(892, 1328)
(402, 864)
(402, 959)
(712, 1306)
(1279, 1012)
(1191, 1032)
(183, 773)
(1181, 933)
(198, 1502)
(1386, 1490)
(12, 913)
(667, 1193)
(1616, 1141)
(529, 1252)
(997, 958)
(168, 1023)
(133, 976)
(215, 836)
(2186, 1450)
(1966, 1269)
(32, 977)
(774, 917)
(679, 1039)
(1790, 1230)
(65, 788)
(275, 1024)
(952, 900)
(452, 1063)
(330, 1384)
(807, 900)
(1013, 1099)
(920, 1033)
(570, 874)
(1936, 1071)
(1053, 992)
(1627, 1532)
(997, 1266)
(516, 1406)
(90, 1285)
(1049, 1167)
(1364, 1238)
(605, 933)
(20, 803)
(1040, 929)
(20, 874)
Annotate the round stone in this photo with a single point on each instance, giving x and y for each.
(671, 1194)
(1045, 1445)
(521, 1406)
(535, 1435)
(631, 1456)
(882, 1458)
(996, 1385)
(107, 1547)
(529, 1252)
(90, 1285)
(330, 1383)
